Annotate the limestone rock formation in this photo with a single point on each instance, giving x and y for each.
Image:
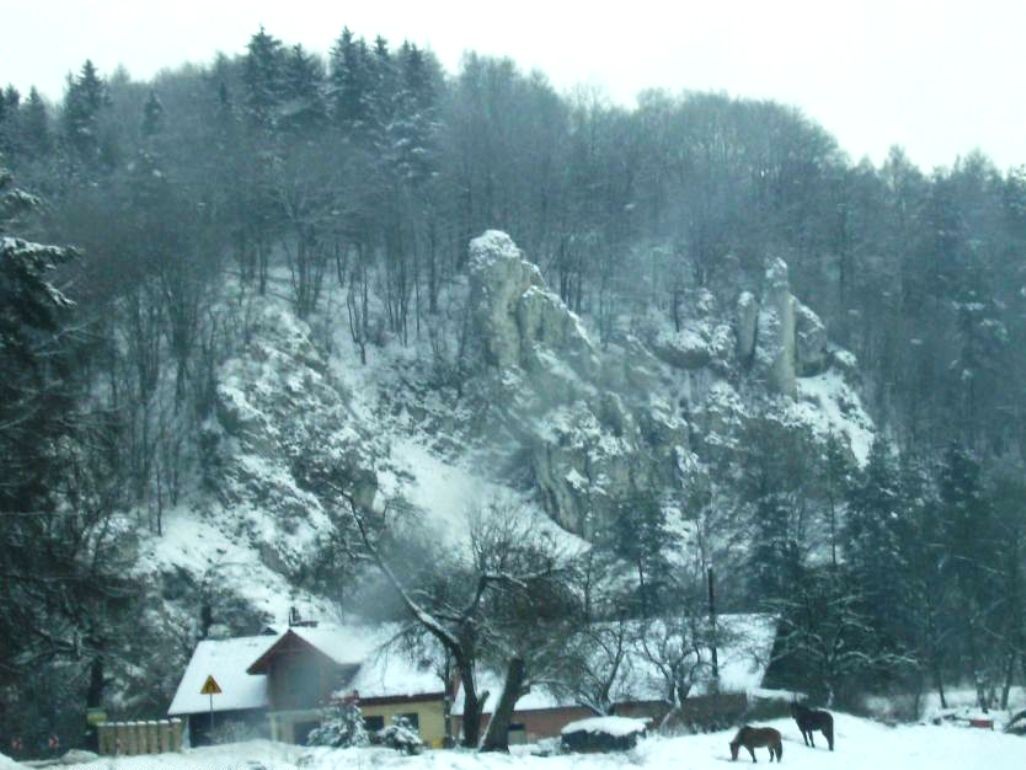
(747, 325)
(775, 350)
(573, 419)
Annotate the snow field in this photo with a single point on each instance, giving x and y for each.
(861, 744)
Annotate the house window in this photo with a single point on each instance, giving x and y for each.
(412, 719)
(373, 724)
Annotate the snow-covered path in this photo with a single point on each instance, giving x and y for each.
(861, 745)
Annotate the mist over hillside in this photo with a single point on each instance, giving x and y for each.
(326, 315)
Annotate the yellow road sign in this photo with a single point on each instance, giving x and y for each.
(210, 687)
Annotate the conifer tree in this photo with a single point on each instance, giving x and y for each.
(34, 130)
(351, 84)
(153, 116)
(969, 538)
(305, 111)
(874, 530)
(86, 96)
(263, 79)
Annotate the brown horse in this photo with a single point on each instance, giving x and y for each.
(756, 737)
(813, 719)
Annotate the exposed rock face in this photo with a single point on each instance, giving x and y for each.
(283, 432)
(780, 338)
(747, 325)
(811, 347)
(775, 351)
(595, 427)
(499, 278)
(585, 442)
(520, 322)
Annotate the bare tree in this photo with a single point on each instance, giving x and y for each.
(455, 600)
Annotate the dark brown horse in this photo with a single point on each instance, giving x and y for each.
(753, 738)
(813, 719)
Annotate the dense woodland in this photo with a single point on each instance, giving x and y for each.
(368, 172)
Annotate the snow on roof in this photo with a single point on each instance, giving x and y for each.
(226, 660)
(346, 645)
(382, 672)
(743, 657)
(389, 674)
(616, 726)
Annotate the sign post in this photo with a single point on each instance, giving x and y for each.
(211, 688)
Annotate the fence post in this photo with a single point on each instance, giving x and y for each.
(176, 734)
(165, 736)
(131, 739)
(103, 732)
(121, 739)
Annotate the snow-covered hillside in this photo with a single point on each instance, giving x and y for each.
(860, 744)
(511, 398)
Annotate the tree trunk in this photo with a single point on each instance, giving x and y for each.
(471, 705)
(1007, 686)
(497, 737)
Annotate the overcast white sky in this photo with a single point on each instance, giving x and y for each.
(937, 77)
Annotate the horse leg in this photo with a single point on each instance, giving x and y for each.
(752, 752)
(830, 738)
(812, 739)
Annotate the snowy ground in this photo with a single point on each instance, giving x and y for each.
(860, 744)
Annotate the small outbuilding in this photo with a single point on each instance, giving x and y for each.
(602, 734)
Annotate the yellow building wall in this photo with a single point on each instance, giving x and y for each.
(431, 715)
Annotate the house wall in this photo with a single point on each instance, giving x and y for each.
(291, 726)
(301, 678)
(537, 723)
(430, 715)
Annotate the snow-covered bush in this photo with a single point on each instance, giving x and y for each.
(342, 726)
(401, 736)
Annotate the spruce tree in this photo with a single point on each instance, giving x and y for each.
(304, 111)
(263, 79)
(86, 96)
(873, 530)
(969, 537)
(34, 129)
(351, 83)
(153, 116)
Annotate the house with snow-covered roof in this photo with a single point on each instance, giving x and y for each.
(278, 685)
(243, 698)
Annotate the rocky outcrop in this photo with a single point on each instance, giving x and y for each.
(775, 349)
(747, 325)
(574, 419)
(779, 338)
(811, 342)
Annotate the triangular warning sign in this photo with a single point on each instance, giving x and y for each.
(210, 687)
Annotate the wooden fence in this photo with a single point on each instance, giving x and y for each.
(131, 738)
